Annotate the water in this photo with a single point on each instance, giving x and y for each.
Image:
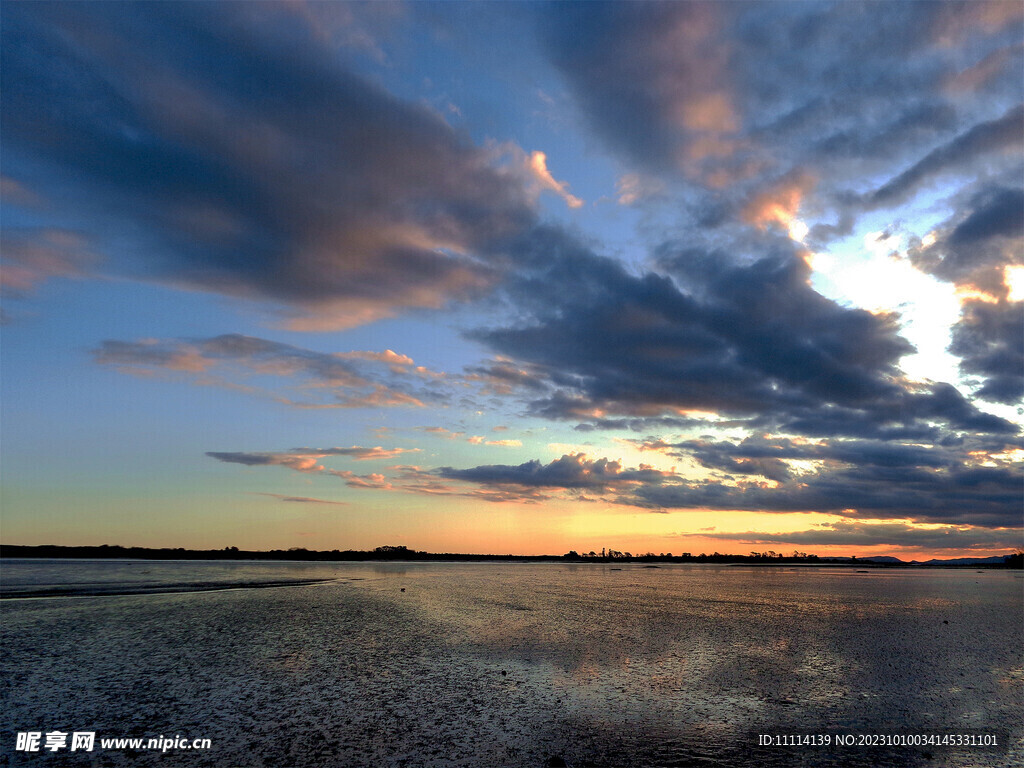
(77, 578)
(511, 664)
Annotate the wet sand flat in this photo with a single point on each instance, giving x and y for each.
(510, 664)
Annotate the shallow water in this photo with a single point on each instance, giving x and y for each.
(509, 664)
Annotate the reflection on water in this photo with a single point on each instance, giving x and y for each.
(32, 577)
(510, 663)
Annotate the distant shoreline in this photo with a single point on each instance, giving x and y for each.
(403, 554)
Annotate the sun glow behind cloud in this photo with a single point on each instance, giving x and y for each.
(878, 277)
(1013, 277)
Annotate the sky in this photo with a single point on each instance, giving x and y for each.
(514, 277)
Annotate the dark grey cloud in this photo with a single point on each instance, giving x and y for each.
(748, 339)
(298, 462)
(1003, 133)
(969, 495)
(571, 472)
(1001, 214)
(978, 242)
(989, 340)
(643, 423)
(743, 456)
(886, 534)
(758, 455)
(232, 153)
(866, 480)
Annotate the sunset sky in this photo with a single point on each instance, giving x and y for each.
(514, 277)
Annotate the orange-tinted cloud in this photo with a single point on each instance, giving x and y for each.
(780, 203)
(538, 166)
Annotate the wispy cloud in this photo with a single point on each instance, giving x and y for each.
(283, 372)
(33, 255)
(304, 499)
(306, 459)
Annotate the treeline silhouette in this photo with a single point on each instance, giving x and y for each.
(400, 552)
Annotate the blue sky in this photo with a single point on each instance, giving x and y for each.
(514, 277)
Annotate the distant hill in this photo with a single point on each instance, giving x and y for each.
(967, 561)
(886, 559)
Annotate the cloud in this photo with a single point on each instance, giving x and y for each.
(1000, 135)
(779, 203)
(443, 432)
(981, 75)
(633, 188)
(745, 456)
(334, 200)
(304, 499)
(33, 255)
(306, 459)
(973, 248)
(371, 481)
(1000, 214)
(298, 462)
(720, 100)
(358, 453)
(571, 471)
(952, 538)
(538, 167)
(653, 79)
(745, 339)
(416, 480)
(504, 376)
(989, 340)
(286, 373)
(474, 439)
(952, 23)
(968, 481)
(349, 27)
(987, 496)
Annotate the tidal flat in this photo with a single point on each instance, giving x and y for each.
(510, 664)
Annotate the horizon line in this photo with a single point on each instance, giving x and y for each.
(400, 552)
